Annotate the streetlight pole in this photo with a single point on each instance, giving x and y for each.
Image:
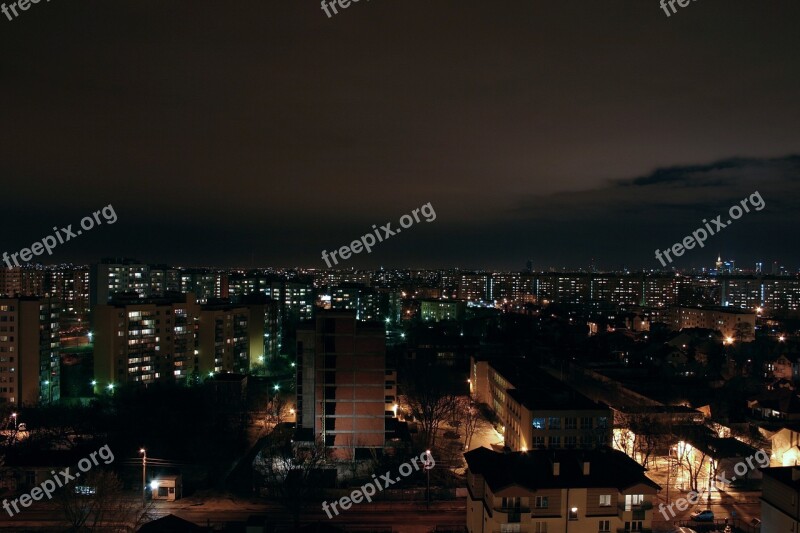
(428, 472)
(14, 416)
(144, 473)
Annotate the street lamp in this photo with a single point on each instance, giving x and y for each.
(144, 473)
(428, 472)
(14, 416)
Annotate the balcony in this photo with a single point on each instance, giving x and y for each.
(642, 507)
(634, 512)
(514, 514)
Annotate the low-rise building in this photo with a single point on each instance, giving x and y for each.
(535, 409)
(580, 491)
(542, 417)
(734, 324)
(780, 510)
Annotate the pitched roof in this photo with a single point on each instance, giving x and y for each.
(170, 524)
(534, 469)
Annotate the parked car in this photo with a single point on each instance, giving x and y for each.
(703, 516)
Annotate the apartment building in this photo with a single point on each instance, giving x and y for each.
(29, 351)
(369, 304)
(22, 281)
(344, 390)
(144, 341)
(164, 280)
(438, 310)
(112, 277)
(537, 410)
(204, 284)
(229, 336)
(70, 287)
(780, 494)
(174, 339)
(555, 417)
(731, 323)
(474, 287)
(774, 294)
(557, 491)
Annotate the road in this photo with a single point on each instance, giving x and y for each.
(404, 517)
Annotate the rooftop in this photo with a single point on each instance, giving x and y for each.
(785, 475)
(534, 469)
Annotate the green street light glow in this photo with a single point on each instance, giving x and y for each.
(94, 382)
(110, 386)
(276, 387)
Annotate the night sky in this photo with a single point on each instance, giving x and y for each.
(256, 133)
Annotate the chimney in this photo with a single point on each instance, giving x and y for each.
(586, 468)
(556, 469)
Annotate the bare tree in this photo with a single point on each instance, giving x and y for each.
(466, 416)
(638, 436)
(691, 460)
(276, 412)
(293, 475)
(430, 402)
(99, 502)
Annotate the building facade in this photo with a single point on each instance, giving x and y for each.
(543, 491)
(343, 384)
(780, 497)
(145, 341)
(29, 351)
